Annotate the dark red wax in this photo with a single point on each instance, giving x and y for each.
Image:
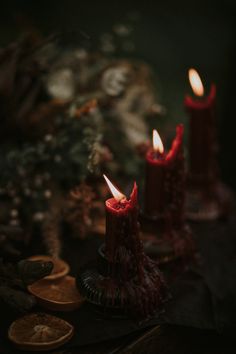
(155, 176)
(132, 275)
(122, 230)
(158, 192)
(175, 180)
(202, 137)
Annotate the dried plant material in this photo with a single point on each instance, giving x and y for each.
(57, 295)
(51, 230)
(39, 331)
(115, 80)
(61, 84)
(44, 116)
(16, 299)
(30, 271)
(23, 273)
(60, 107)
(77, 210)
(86, 108)
(60, 267)
(99, 226)
(10, 238)
(15, 278)
(20, 85)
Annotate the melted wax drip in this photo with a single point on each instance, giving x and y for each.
(133, 276)
(176, 176)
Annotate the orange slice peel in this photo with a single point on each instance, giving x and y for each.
(40, 332)
(58, 295)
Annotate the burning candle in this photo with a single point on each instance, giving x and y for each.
(202, 132)
(133, 279)
(165, 173)
(122, 228)
(155, 173)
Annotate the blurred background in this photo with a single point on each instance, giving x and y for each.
(170, 36)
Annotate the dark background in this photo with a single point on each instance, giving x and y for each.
(171, 35)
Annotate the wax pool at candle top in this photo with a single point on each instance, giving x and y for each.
(156, 156)
(117, 205)
(123, 206)
(121, 220)
(201, 103)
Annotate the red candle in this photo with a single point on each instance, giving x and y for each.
(131, 274)
(165, 174)
(155, 174)
(122, 227)
(202, 132)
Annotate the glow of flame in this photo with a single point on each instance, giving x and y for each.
(196, 82)
(114, 191)
(157, 143)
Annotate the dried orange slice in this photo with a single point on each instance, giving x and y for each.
(57, 295)
(60, 267)
(39, 331)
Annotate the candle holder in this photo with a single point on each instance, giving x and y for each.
(164, 242)
(88, 281)
(205, 203)
(124, 280)
(90, 284)
(101, 284)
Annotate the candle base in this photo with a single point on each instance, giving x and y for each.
(165, 244)
(89, 282)
(202, 205)
(107, 293)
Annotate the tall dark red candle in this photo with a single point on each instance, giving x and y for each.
(155, 174)
(131, 275)
(122, 230)
(161, 168)
(202, 134)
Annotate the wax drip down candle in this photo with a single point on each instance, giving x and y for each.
(163, 220)
(126, 278)
(155, 173)
(207, 198)
(161, 168)
(122, 228)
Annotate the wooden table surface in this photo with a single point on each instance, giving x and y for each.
(163, 340)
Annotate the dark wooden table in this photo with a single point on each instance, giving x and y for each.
(166, 339)
(163, 340)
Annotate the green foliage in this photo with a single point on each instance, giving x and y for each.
(33, 171)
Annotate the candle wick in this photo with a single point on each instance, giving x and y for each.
(157, 155)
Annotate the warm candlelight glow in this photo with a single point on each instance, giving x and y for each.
(157, 143)
(196, 82)
(114, 191)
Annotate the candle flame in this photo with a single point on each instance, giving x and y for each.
(196, 82)
(157, 143)
(114, 191)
